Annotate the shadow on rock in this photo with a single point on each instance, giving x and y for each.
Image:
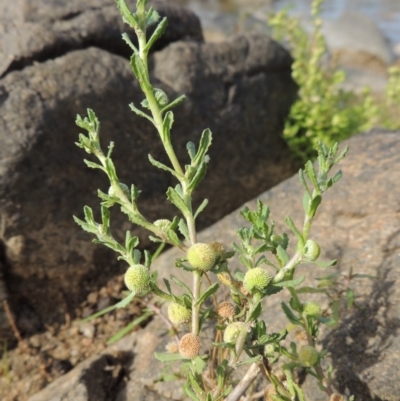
(361, 340)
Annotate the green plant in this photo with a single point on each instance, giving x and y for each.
(324, 111)
(241, 334)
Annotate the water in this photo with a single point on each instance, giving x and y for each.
(385, 13)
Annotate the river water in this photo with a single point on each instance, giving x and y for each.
(385, 13)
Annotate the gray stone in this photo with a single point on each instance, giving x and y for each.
(241, 89)
(355, 40)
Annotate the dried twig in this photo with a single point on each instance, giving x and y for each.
(244, 384)
(11, 320)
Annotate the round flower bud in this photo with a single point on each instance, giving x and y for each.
(162, 224)
(125, 190)
(219, 250)
(201, 256)
(308, 356)
(189, 346)
(232, 332)
(312, 309)
(256, 278)
(226, 310)
(311, 251)
(137, 278)
(178, 314)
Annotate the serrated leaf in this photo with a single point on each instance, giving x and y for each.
(162, 166)
(289, 314)
(174, 103)
(167, 125)
(181, 284)
(93, 165)
(127, 16)
(199, 175)
(289, 222)
(183, 229)
(139, 69)
(156, 34)
(201, 207)
(207, 293)
(255, 313)
(140, 112)
(205, 142)
(175, 199)
(282, 255)
(128, 41)
(152, 17)
(290, 283)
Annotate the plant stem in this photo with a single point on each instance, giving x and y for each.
(244, 384)
(195, 305)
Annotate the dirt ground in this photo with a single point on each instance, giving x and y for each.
(31, 364)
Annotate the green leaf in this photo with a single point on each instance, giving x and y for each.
(128, 41)
(290, 283)
(175, 199)
(127, 16)
(162, 166)
(140, 113)
(189, 392)
(255, 313)
(129, 327)
(306, 203)
(315, 202)
(165, 357)
(152, 17)
(303, 182)
(183, 229)
(199, 175)
(191, 148)
(207, 293)
(309, 169)
(139, 70)
(289, 314)
(93, 165)
(181, 284)
(168, 285)
(249, 360)
(289, 222)
(205, 142)
(282, 255)
(199, 365)
(350, 297)
(174, 103)
(329, 263)
(126, 301)
(201, 207)
(156, 34)
(167, 125)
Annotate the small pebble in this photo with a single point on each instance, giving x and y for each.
(87, 329)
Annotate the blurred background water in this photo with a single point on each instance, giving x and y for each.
(385, 13)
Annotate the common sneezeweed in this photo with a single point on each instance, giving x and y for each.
(241, 336)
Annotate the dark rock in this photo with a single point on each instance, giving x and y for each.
(241, 89)
(32, 31)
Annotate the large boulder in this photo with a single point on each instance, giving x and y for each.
(241, 89)
(358, 224)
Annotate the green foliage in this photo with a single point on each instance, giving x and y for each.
(324, 111)
(243, 338)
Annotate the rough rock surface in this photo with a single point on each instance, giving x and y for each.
(32, 31)
(241, 89)
(359, 224)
